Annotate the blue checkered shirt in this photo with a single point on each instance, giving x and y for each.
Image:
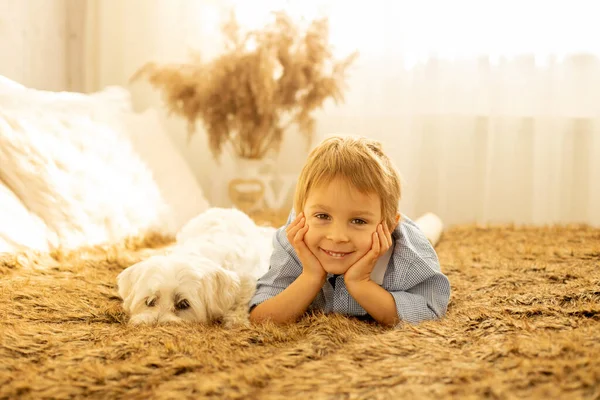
(413, 277)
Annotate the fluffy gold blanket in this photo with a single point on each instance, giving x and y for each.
(524, 322)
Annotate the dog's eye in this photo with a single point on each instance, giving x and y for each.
(182, 305)
(151, 302)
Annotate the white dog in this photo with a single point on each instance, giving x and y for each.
(209, 274)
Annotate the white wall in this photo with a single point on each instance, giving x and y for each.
(40, 47)
(514, 165)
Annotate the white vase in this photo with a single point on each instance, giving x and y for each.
(249, 168)
(247, 187)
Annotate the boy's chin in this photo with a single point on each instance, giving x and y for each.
(335, 269)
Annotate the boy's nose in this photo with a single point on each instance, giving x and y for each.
(337, 233)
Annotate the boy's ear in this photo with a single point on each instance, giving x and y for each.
(396, 220)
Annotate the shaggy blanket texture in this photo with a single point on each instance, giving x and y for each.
(524, 322)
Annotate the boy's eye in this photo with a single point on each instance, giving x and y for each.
(322, 216)
(358, 221)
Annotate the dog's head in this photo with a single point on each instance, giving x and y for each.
(177, 288)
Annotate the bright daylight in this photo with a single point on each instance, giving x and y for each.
(319, 199)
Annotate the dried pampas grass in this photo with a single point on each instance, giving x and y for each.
(265, 81)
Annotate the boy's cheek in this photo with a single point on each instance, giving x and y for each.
(364, 245)
(361, 253)
(309, 237)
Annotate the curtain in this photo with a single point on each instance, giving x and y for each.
(490, 109)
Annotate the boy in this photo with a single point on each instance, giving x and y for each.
(347, 250)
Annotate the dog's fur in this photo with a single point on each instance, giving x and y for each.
(210, 272)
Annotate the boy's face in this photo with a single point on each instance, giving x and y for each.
(341, 223)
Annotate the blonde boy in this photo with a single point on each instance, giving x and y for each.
(347, 250)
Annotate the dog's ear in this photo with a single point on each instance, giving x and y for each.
(220, 292)
(126, 282)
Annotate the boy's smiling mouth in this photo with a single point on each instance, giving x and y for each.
(335, 254)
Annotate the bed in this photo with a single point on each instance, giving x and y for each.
(523, 322)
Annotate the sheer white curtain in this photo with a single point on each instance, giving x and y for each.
(490, 109)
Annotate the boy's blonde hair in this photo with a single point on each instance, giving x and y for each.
(358, 160)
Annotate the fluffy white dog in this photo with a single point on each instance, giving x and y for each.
(209, 274)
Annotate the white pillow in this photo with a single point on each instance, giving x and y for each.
(19, 228)
(7, 84)
(176, 182)
(69, 160)
(87, 128)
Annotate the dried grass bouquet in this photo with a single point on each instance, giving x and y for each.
(265, 81)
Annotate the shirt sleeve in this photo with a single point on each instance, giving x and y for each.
(284, 268)
(424, 292)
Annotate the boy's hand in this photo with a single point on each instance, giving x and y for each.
(361, 270)
(311, 266)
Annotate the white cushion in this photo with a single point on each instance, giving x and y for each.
(69, 160)
(176, 182)
(7, 84)
(19, 228)
(94, 170)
